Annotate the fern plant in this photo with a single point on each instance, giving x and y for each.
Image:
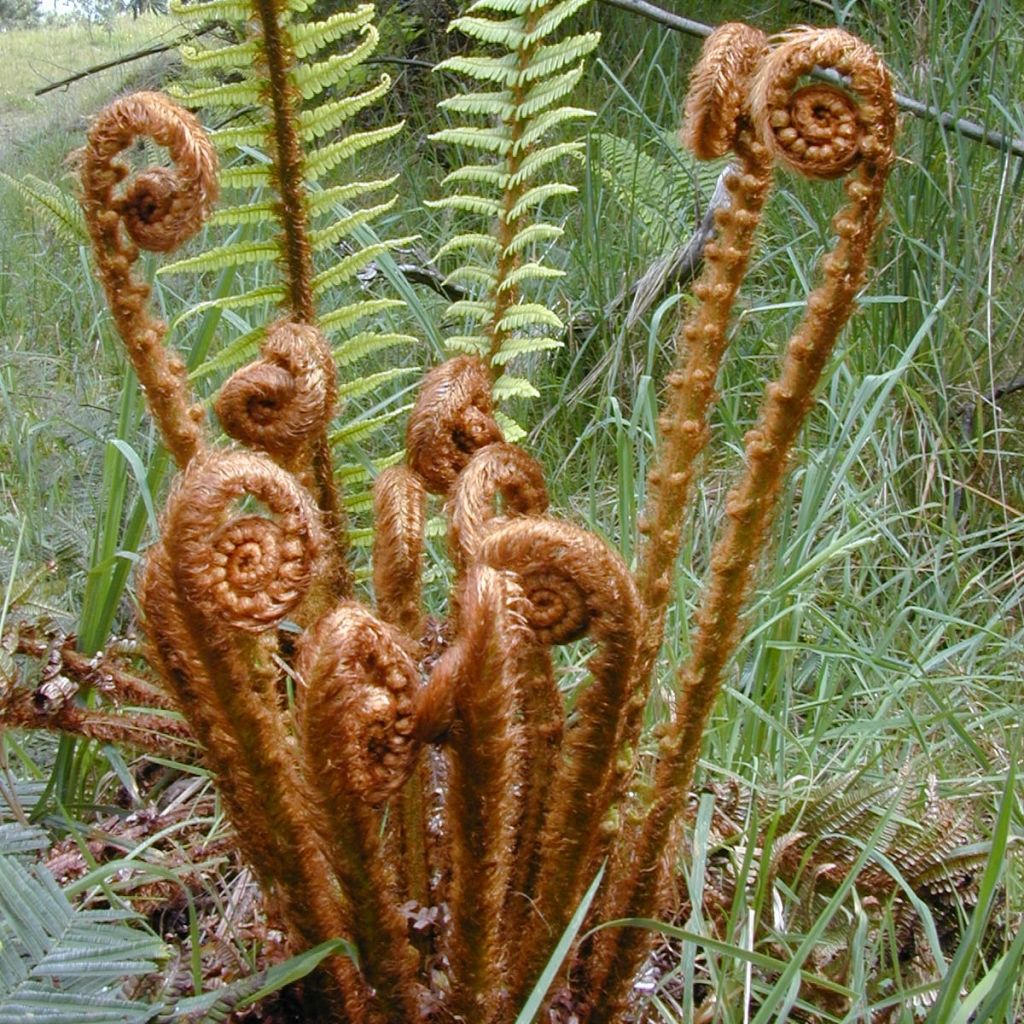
(57, 961)
(511, 177)
(292, 79)
(375, 765)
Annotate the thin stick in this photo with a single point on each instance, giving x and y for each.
(969, 129)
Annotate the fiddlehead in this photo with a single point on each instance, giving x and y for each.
(358, 711)
(247, 572)
(400, 506)
(478, 683)
(212, 591)
(356, 729)
(862, 121)
(498, 470)
(573, 585)
(284, 400)
(717, 121)
(159, 210)
(453, 418)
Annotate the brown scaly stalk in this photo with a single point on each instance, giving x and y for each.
(822, 132)
(574, 585)
(476, 684)
(717, 120)
(213, 591)
(356, 729)
(158, 211)
(287, 173)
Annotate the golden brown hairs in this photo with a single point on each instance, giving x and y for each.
(453, 417)
(159, 210)
(868, 113)
(480, 672)
(400, 507)
(573, 585)
(717, 120)
(281, 402)
(500, 469)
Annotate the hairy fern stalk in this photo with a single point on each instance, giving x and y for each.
(377, 766)
(285, 92)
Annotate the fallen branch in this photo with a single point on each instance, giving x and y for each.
(969, 129)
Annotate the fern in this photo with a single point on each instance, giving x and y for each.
(60, 963)
(296, 81)
(61, 211)
(507, 187)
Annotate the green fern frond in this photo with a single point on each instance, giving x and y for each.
(350, 265)
(234, 254)
(497, 103)
(313, 79)
(319, 121)
(360, 430)
(488, 140)
(361, 345)
(541, 158)
(326, 199)
(344, 227)
(467, 203)
(330, 156)
(521, 107)
(470, 275)
(60, 210)
(502, 71)
(530, 272)
(270, 294)
(300, 85)
(360, 386)
(520, 346)
(309, 37)
(530, 236)
(345, 316)
(469, 240)
(59, 963)
(537, 195)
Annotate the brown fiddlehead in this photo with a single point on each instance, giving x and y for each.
(158, 210)
(453, 418)
(717, 121)
(574, 585)
(823, 131)
(357, 733)
(213, 592)
(477, 681)
(400, 508)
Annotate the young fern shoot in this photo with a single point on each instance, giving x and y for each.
(418, 767)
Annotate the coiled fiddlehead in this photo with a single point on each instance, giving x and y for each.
(573, 585)
(281, 402)
(359, 703)
(400, 507)
(212, 591)
(357, 733)
(862, 120)
(453, 418)
(247, 572)
(479, 681)
(159, 210)
(717, 121)
(499, 469)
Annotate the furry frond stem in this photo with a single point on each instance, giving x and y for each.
(159, 210)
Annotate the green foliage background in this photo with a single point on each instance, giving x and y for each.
(887, 633)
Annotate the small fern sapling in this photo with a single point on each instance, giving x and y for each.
(439, 768)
